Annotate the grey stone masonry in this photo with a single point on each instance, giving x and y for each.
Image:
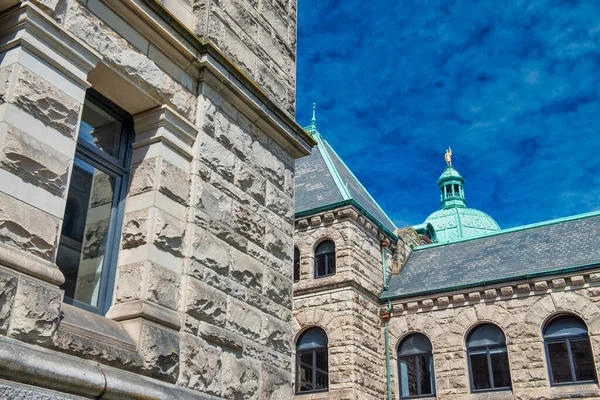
(260, 38)
(201, 304)
(346, 305)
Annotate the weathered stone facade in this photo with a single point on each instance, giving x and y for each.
(345, 305)
(202, 301)
(520, 309)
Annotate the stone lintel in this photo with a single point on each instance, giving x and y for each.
(34, 365)
(29, 264)
(163, 124)
(31, 28)
(144, 309)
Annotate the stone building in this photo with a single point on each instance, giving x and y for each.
(147, 156)
(452, 309)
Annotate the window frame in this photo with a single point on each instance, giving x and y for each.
(118, 168)
(418, 357)
(327, 255)
(312, 351)
(567, 340)
(487, 348)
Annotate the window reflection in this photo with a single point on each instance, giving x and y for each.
(85, 231)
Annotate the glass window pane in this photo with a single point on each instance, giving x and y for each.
(330, 264)
(425, 368)
(564, 326)
(408, 377)
(559, 362)
(322, 369)
(500, 368)
(485, 335)
(305, 371)
(321, 265)
(325, 247)
(583, 361)
(82, 244)
(480, 372)
(100, 129)
(415, 343)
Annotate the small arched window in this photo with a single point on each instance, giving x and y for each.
(569, 352)
(488, 359)
(296, 264)
(415, 366)
(312, 368)
(325, 259)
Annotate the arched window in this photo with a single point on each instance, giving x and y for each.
(415, 366)
(488, 359)
(311, 361)
(569, 352)
(296, 264)
(325, 259)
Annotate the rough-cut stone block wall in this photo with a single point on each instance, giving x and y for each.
(355, 342)
(349, 316)
(358, 255)
(237, 284)
(203, 282)
(259, 37)
(520, 315)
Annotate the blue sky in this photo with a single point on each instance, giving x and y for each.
(514, 88)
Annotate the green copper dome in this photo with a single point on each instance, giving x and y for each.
(455, 220)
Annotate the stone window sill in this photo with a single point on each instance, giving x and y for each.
(312, 395)
(497, 395)
(79, 322)
(581, 390)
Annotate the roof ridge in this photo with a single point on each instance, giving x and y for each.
(339, 182)
(360, 184)
(515, 229)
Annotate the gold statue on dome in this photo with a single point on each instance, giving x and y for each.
(448, 156)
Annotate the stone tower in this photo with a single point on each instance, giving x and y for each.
(147, 156)
(338, 222)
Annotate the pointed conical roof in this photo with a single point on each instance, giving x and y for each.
(324, 181)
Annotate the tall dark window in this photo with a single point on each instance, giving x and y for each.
(415, 367)
(87, 251)
(296, 264)
(569, 352)
(488, 359)
(312, 367)
(325, 259)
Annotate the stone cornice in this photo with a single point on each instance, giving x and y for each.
(300, 292)
(28, 26)
(197, 58)
(343, 213)
(499, 292)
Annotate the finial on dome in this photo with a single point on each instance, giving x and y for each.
(447, 156)
(313, 121)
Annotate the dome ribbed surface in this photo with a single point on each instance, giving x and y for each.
(461, 222)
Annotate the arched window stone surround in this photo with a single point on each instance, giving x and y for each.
(307, 245)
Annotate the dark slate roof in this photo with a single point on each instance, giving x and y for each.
(518, 253)
(315, 186)
(322, 179)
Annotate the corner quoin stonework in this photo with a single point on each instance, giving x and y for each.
(202, 297)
